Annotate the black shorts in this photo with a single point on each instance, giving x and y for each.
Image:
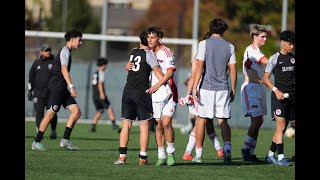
(101, 104)
(58, 97)
(285, 108)
(136, 103)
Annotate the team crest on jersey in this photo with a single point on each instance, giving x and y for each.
(160, 61)
(292, 60)
(55, 107)
(50, 66)
(38, 67)
(278, 112)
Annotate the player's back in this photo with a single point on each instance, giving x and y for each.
(138, 78)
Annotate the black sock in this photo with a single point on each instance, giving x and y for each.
(39, 136)
(280, 148)
(113, 122)
(67, 133)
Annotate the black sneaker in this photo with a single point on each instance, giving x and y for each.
(92, 128)
(293, 158)
(53, 135)
(114, 127)
(227, 157)
(246, 154)
(254, 159)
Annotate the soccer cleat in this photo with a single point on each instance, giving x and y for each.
(271, 159)
(92, 128)
(38, 146)
(197, 160)
(114, 127)
(293, 158)
(121, 160)
(161, 162)
(220, 153)
(245, 154)
(53, 135)
(283, 162)
(65, 143)
(227, 157)
(143, 162)
(170, 160)
(253, 158)
(187, 157)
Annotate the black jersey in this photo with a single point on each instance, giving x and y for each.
(144, 61)
(283, 69)
(94, 82)
(40, 73)
(57, 80)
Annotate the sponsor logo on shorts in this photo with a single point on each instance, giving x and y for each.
(55, 107)
(50, 66)
(292, 60)
(278, 112)
(35, 100)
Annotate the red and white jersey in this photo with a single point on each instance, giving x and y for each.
(255, 55)
(165, 59)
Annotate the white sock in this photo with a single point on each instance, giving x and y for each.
(198, 151)
(270, 153)
(253, 146)
(142, 153)
(122, 155)
(161, 153)
(170, 148)
(247, 142)
(191, 143)
(280, 156)
(214, 139)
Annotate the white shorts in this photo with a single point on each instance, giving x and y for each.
(253, 99)
(214, 104)
(164, 108)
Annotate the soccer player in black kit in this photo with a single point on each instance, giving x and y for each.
(99, 96)
(136, 98)
(40, 74)
(283, 107)
(59, 93)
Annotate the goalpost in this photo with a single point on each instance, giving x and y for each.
(101, 37)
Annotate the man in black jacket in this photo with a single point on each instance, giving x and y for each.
(39, 77)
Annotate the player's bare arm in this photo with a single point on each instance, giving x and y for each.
(198, 73)
(268, 83)
(233, 78)
(66, 76)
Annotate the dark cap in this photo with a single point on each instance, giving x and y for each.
(45, 47)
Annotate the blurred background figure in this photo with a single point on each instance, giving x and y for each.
(99, 96)
(39, 76)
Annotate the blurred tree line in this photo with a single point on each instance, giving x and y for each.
(175, 18)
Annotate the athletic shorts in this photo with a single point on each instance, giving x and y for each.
(214, 104)
(58, 97)
(164, 108)
(101, 104)
(253, 99)
(285, 108)
(136, 104)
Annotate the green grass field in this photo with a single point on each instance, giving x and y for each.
(97, 152)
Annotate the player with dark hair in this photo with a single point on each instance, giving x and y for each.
(99, 96)
(136, 98)
(211, 86)
(59, 93)
(39, 76)
(163, 105)
(283, 107)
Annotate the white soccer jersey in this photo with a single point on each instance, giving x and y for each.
(255, 55)
(166, 61)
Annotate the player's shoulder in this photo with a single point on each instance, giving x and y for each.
(165, 51)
